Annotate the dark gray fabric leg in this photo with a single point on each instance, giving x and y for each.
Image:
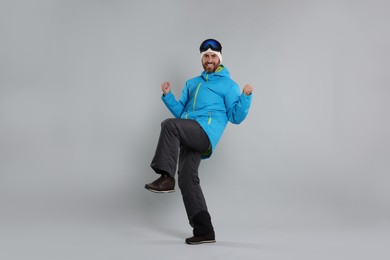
(165, 157)
(174, 133)
(189, 182)
(202, 224)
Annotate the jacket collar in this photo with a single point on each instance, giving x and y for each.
(220, 72)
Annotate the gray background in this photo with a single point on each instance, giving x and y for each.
(306, 175)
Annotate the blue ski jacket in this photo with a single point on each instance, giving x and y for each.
(212, 99)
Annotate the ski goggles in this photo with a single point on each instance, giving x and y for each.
(210, 44)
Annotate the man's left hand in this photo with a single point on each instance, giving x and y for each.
(248, 89)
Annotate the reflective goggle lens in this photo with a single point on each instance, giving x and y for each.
(210, 44)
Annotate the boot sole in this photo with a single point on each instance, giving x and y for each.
(159, 191)
(201, 242)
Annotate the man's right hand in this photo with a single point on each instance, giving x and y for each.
(166, 87)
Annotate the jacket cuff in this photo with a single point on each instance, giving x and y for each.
(167, 95)
(245, 97)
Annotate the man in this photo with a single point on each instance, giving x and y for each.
(205, 106)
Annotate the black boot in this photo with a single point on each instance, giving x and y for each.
(203, 229)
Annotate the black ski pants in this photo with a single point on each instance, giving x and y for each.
(181, 143)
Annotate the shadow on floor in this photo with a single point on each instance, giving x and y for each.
(240, 245)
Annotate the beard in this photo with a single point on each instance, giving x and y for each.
(210, 67)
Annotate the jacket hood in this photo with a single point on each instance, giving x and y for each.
(221, 71)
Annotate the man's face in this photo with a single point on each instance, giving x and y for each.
(210, 62)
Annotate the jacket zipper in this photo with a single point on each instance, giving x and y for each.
(209, 122)
(196, 94)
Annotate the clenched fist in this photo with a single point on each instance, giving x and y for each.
(248, 89)
(166, 87)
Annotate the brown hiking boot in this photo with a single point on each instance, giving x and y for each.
(164, 184)
(196, 240)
